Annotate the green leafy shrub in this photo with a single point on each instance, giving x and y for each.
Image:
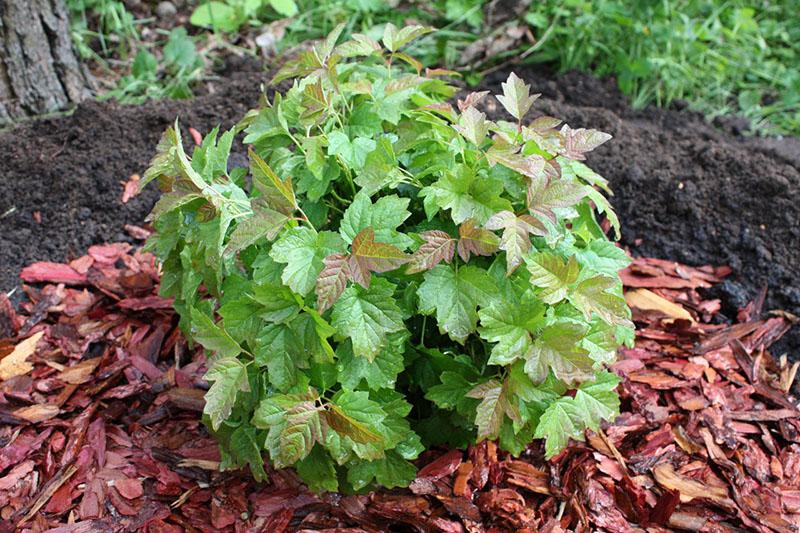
(393, 274)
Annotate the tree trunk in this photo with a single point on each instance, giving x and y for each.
(39, 72)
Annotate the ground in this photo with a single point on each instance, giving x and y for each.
(685, 190)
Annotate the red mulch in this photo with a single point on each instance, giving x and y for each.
(101, 431)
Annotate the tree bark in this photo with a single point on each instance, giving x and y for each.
(39, 72)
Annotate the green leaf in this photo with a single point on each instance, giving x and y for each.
(454, 296)
(597, 400)
(384, 217)
(367, 316)
(510, 326)
(244, 447)
(303, 250)
(380, 373)
(380, 169)
(604, 257)
(277, 303)
(552, 274)
(318, 471)
(211, 336)
(391, 471)
(228, 376)
(278, 349)
(217, 16)
(265, 223)
(451, 392)
(369, 256)
(287, 8)
(353, 152)
(466, 194)
(592, 296)
(560, 422)
(516, 97)
(354, 415)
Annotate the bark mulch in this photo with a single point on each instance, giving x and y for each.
(100, 402)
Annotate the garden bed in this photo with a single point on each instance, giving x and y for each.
(685, 190)
(105, 433)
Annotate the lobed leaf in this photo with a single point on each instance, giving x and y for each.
(438, 246)
(369, 256)
(516, 97)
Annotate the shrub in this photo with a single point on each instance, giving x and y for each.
(397, 274)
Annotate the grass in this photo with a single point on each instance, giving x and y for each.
(736, 56)
(723, 57)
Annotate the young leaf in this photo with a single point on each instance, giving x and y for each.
(491, 412)
(332, 280)
(228, 376)
(301, 432)
(558, 349)
(545, 195)
(367, 316)
(531, 166)
(475, 241)
(454, 296)
(438, 246)
(359, 45)
(515, 242)
(552, 274)
(516, 97)
(369, 256)
(302, 249)
(278, 193)
(592, 296)
(394, 39)
(473, 126)
(578, 142)
(472, 99)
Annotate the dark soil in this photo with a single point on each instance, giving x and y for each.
(685, 190)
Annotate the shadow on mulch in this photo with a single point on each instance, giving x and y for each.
(684, 190)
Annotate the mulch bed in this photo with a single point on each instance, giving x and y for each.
(100, 429)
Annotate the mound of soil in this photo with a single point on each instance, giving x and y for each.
(61, 178)
(684, 190)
